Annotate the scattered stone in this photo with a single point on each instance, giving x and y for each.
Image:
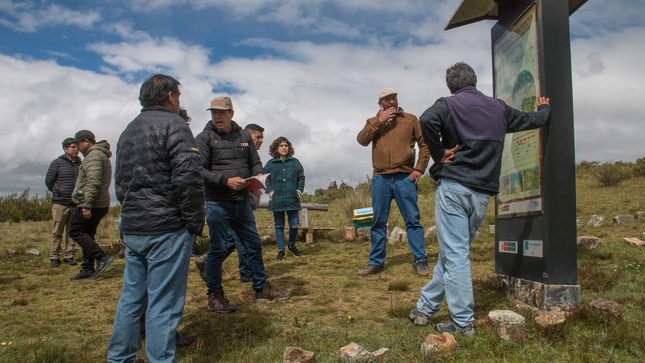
(608, 307)
(578, 223)
(363, 234)
(434, 344)
(10, 252)
(354, 353)
(491, 229)
(265, 237)
(639, 215)
(508, 324)
(588, 242)
(550, 318)
(350, 233)
(298, 355)
(635, 242)
(431, 232)
(596, 221)
(624, 218)
(32, 252)
(397, 236)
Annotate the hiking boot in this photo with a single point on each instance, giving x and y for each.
(218, 302)
(184, 341)
(70, 261)
(201, 267)
(54, 263)
(82, 275)
(121, 253)
(269, 292)
(370, 270)
(422, 268)
(420, 318)
(449, 326)
(294, 250)
(246, 278)
(102, 265)
(280, 255)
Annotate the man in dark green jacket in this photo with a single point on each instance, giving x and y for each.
(92, 198)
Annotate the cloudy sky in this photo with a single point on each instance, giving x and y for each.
(307, 70)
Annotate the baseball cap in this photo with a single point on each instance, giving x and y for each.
(386, 92)
(85, 135)
(221, 103)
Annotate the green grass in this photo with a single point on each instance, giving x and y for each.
(48, 318)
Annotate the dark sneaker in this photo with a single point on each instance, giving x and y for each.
(370, 270)
(269, 292)
(54, 263)
(201, 267)
(422, 268)
(280, 255)
(449, 326)
(102, 265)
(246, 278)
(218, 302)
(70, 261)
(420, 318)
(82, 275)
(184, 341)
(294, 250)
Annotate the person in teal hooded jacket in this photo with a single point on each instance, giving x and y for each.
(286, 182)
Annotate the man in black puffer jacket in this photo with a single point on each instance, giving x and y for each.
(60, 180)
(158, 181)
(229, 157)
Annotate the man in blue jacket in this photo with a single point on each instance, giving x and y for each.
(465, 134)
(158, 182)
(229, 157)
(60, 180)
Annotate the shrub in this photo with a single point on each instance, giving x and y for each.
(639, 167)
(611, 175)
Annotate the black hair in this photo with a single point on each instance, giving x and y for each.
(254, 127)
(273, 149)
(154, 91)
(67, 142)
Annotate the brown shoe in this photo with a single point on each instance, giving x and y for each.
(370, 270)
(269, 292)
(218, 302)
(184, 340)
(422, 268)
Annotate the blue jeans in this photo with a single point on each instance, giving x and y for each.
(156, 271)
(459, 211)
(242, 263)
(404, 191)
(236, 215)
(278, 221)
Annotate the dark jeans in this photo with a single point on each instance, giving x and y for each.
(221, 217)
(82, 231)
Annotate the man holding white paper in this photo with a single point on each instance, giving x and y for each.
(228, 157)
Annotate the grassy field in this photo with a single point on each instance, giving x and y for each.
(48, 318)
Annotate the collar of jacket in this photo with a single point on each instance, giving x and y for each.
(211, 127)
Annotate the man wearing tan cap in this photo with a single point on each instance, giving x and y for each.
(228, 157)
(393, 135)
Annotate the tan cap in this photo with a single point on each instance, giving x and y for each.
(221, 103)
(386, 92)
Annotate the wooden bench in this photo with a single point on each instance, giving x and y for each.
(304, 219)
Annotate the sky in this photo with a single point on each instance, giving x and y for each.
(306, 70)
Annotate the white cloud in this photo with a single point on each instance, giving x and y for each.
(28, 17)
(317, 92)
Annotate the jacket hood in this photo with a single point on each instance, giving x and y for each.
(102, 146)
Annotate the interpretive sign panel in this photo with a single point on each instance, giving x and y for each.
(516, 75)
